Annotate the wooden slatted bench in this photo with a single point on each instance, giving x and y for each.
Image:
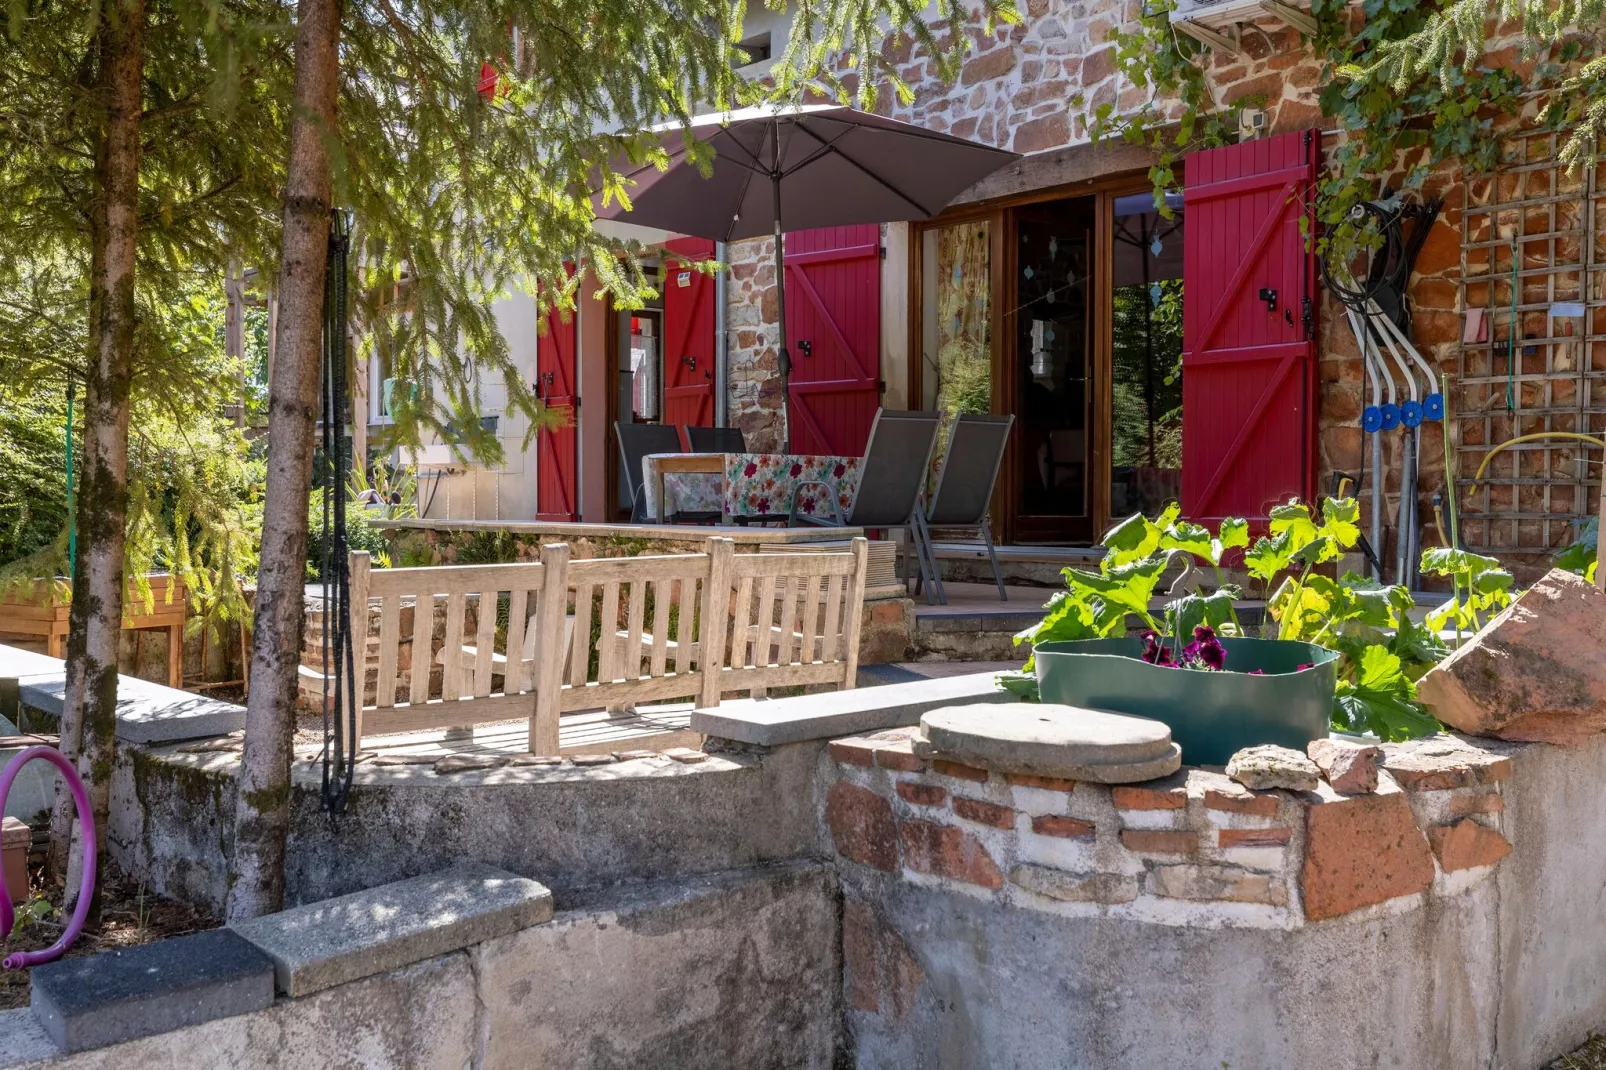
(621, 632)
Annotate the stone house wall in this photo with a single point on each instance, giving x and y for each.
(1033, 88)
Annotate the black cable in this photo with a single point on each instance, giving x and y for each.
(341, 687)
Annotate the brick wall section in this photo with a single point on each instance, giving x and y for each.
(1169, 848)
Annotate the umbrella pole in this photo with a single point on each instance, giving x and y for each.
(783, 359)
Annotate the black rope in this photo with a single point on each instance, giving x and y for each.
(341, 684)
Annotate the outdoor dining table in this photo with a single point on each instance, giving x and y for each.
(743, 487)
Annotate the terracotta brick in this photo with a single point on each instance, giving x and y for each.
(1046, 783)
(945, 851)
(1467, 844)
(1066, 828)
(861, 826)
(853, 752)
(1160, 841)
(921, 794)
(1246, 802)
(983, 812)
(1361, 850)
(1440, 763)
(900, 757)
(1254, 837)
(1486, 803)
(1127, 797)
(958, 771)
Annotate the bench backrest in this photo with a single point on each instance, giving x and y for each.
(622, 632)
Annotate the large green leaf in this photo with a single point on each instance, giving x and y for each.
(1189, 538)
(1341, 521)
(1380, 699)
(1293, 519)
(1132, 539)
(1417, 647)
(1129, 587)
(1268, 557)
(1189, 611)
(1232, 535)
(1023, 685)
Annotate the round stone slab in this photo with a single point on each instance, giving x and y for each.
(1050, 740)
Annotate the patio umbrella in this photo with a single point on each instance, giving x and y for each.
(819, 166)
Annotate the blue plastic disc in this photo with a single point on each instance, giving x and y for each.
(1433, 407)
(1391, 417)
(1411, 414)
(1372, 419)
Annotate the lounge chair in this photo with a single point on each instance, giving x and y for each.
(965, 486)
(892, 475)
(716, 439)
(635, 442)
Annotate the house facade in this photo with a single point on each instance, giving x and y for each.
(1147, 356)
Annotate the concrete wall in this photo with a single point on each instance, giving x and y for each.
(570, 828)
(1500, 965)
(733, 970)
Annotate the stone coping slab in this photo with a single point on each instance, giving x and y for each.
(1051, 740)
(324, 944)
(146, 712)
(96, 1000)
(773, 722)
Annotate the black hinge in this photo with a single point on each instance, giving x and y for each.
(1308, 316)
(883, 251)
(881, 386)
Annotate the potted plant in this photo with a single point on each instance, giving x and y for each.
(1337, 652)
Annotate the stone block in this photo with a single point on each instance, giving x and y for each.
(1276, 837)
(852, 752)
(831, 715)
(1170, 793)
(1221, 792)
(1075, 887)
(1440, 763)
(898, 757)
(1051, 740)
(1361, 850)
(945, 851)
(95, 1000)
(1260, 768)
(1349, 766)
(1042, 783)
(861, 826)
(1160, 841)
(329, 943)
(1467, 844)
(146, 712)
(1522, 676)
(1484, 803)
(1213, 882)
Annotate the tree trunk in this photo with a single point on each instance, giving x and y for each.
(89, 721)
(262, 810)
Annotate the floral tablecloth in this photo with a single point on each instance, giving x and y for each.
(684, 492)
(761, 484)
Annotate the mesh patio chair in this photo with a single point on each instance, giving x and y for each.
(635, 442)
(716, 439)
(891, 478)
(965, 486)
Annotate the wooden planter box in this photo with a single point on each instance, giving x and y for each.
(41, 615)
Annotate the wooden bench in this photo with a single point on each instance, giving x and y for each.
(622, 632)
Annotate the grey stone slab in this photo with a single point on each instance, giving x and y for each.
(16, 663)
(329, 943)
(96, 1000)
(1051, 740)
(1011, 621)
(146, 712)
(772, 722)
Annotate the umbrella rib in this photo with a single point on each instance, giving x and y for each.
(830, 148)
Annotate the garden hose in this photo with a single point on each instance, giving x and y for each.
(1591, 439)
(1438, 518)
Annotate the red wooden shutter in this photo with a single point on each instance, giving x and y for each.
(688, 336)
(556, 493)
(833, 330)
(1249, 372)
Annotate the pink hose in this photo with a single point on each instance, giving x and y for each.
(86, 888)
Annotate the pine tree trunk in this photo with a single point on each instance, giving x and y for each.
(89, 721)
(262, 810)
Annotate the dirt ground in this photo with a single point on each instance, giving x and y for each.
(130, 916)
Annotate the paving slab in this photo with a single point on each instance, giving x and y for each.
(16, 663)
(324, 944)
(1051, 740)
(146, 712)
(96, 1000)
(830, 715)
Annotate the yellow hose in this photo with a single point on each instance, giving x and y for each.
(1591, 439)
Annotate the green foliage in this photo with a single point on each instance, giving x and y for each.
(1479, 586)
(1406, 84)
(1579, 555)
(1382, 650)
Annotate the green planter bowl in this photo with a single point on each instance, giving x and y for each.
(1211, 714)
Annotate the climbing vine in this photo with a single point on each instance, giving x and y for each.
(1408, 86)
